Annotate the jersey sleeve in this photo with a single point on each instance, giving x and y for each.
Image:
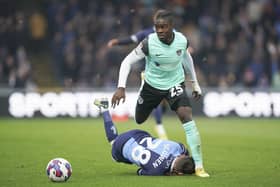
(134, 56)
(139, 36)
(189, 66)
(144, 47)
(125, 41)
(141, 171)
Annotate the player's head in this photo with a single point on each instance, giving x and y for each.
(183, 164)
(163, 21)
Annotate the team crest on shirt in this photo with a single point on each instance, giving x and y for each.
(179, 52)
(140, 100)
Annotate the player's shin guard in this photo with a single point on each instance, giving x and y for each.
(194, 142)
(110, 129)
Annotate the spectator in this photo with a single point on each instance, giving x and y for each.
(224, 36)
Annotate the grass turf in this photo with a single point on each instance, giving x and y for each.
(237, 152)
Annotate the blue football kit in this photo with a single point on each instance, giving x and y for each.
(153, 156)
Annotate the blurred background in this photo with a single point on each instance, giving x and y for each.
(54, 61)
(59, 45)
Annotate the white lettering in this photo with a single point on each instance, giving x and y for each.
(262, 105)
(275, 98)
(150, 143)
(32, 104)
(211, 105)
(83, 104)
(49, 105)
(67, 104)
(244, 104)
(140, 154)
(52, 104)
(164, 155)
(17, 105)
(227, 102)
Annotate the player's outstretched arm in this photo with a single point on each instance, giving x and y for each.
(120, 41)
(134, 38)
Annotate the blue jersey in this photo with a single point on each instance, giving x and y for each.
(153, 156)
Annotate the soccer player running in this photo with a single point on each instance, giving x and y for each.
(136, 38)
(165, 53)
(153, 156)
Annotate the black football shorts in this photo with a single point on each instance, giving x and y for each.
(149, 98)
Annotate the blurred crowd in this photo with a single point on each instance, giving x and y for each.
(233, 43)
(15, 69)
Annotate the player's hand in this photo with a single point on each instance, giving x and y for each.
(196, 91)
(112, 42)
(118, 96)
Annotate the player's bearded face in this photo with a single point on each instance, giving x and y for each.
(163, 30)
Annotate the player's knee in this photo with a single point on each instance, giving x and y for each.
(140, 117)
(185, 114)
(139, 121)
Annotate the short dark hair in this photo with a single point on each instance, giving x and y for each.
(164, 14)
(184, 164)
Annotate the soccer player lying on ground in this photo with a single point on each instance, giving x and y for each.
(153, 156)
(136, 38)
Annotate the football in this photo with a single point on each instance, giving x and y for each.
(59, 170)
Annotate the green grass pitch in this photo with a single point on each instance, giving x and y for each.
(237, 152)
